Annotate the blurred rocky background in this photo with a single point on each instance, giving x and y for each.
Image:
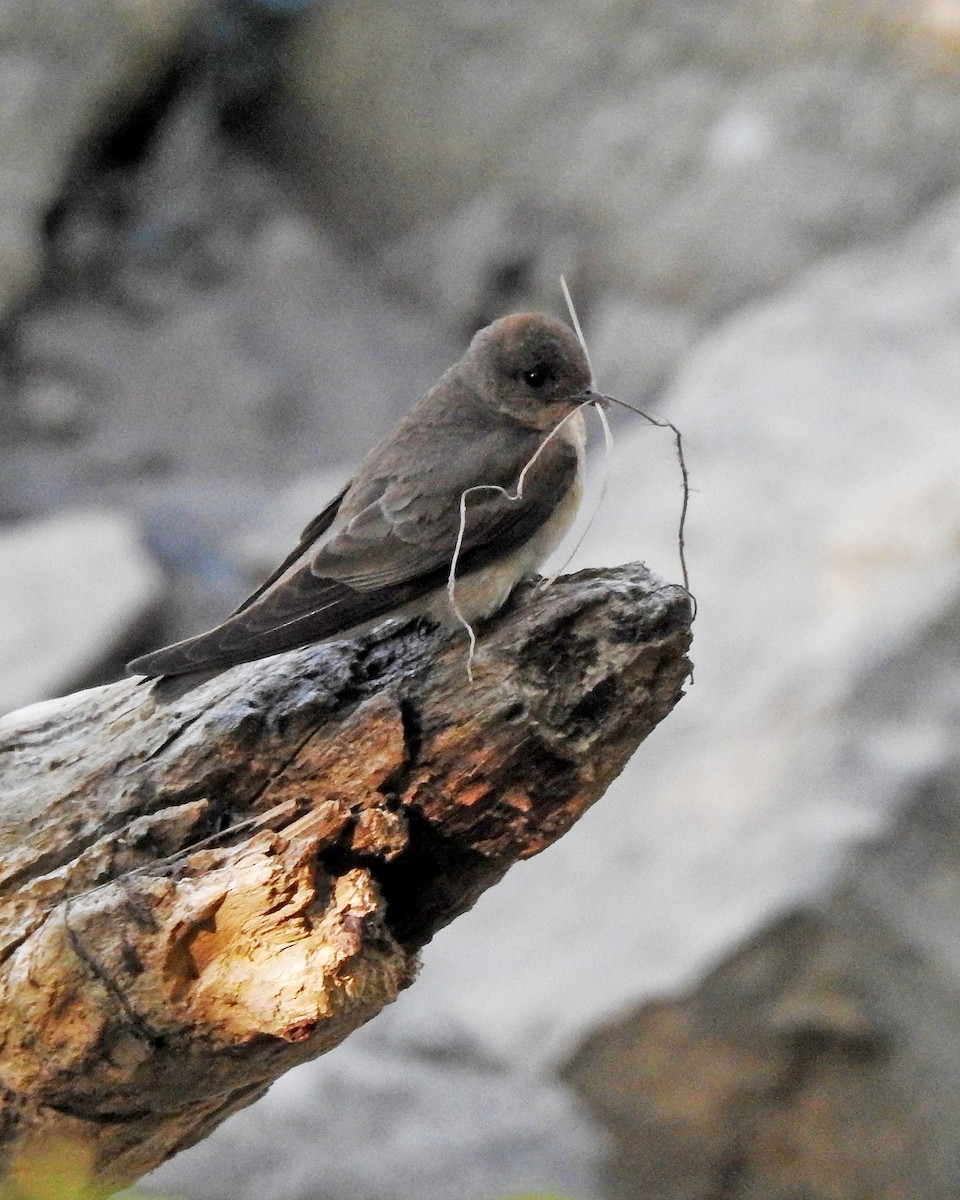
(239, 237)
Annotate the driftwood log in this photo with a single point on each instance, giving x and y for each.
(202, 886)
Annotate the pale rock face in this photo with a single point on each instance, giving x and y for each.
(74, 588)
(395, 1114)
(824, 449)
(61, 67)
(696, 154)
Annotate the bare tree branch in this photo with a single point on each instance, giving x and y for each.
(201, 887)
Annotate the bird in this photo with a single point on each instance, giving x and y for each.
(486, 469)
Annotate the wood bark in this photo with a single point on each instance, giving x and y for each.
(203, 884)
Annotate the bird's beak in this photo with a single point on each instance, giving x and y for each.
(592, 396)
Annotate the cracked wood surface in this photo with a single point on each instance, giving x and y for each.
(202, 886)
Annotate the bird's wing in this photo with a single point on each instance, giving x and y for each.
(396, 547)
(408, 528)
(320, 524)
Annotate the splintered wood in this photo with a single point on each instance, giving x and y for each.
(202, 886)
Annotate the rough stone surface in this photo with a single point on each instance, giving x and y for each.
(235, 340)
(75, 592)
(697, 154)
(821, 1058)
(64, 67)
(791, 1071)
(822, 439)
(390, 1116)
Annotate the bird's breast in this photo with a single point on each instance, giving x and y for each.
(481, 593)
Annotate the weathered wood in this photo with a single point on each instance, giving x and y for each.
(201, 888)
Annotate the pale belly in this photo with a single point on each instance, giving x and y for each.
(480, 594)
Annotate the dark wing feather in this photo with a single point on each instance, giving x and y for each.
(320, 524)
(395, 549)
(408, 527)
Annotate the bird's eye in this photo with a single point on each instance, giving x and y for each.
(538, 376)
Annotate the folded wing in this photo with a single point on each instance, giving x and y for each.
(395, 548)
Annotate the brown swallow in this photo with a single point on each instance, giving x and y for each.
(383, 547)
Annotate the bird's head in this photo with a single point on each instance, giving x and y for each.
(529, 367)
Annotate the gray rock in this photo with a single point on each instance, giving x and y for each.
(388, 1118)
(288, 363)
(62, 67)
(238, 356)
(264, 542)
(635, 346)
(692, 155)
(820, 1060)
(822, 439)
(75, 590)
(822, 1055)
(493, 255)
